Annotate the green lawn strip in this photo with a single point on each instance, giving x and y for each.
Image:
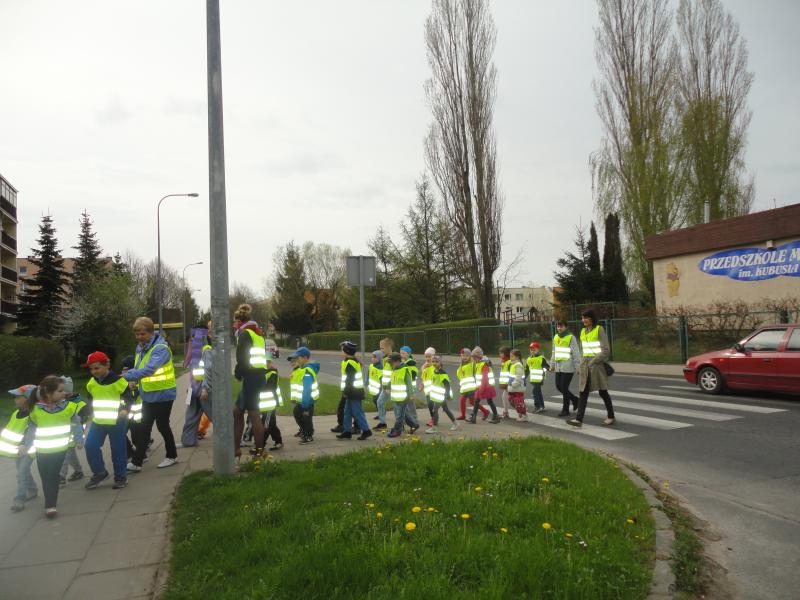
(312, 529)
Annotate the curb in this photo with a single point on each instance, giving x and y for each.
(663, 584)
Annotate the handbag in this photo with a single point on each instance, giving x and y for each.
(609, 369)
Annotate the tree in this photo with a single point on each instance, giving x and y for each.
(262, 307)
(87, 262)
(43, 300)
(615, 285)
(713, 85)
(639, 171)
(119, 265)
(292, 310)
(594, 281)
(326, 279)
(575, 276)
(460, 146)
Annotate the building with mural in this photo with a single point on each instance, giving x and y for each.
(753, 259)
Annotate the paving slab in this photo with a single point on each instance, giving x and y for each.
(65, 538)
(132, 528)
(87, 501)
(128, 553)
(113, 585)
(140, 506)
(28, 582)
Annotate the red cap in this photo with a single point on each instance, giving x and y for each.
(534, 345)
(95, 357)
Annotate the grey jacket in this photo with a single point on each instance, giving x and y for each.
(571, 365)
(592, 366)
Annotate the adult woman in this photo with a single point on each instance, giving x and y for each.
(251, 368)
(154, 372)
(592, 371)
(564, 361)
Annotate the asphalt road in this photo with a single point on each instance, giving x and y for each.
(733, 459)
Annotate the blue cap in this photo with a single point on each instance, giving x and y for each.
(406, 349)
(302, 351)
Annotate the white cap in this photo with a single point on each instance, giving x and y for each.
(430, 350)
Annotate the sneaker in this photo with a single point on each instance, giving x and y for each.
(380, 426)
(365, 434)
(522, 418)
(393, 434)
(298, 434)
(471, 420)
(62, 481)
(50, 513)
(306, 440)
(431, 430)
(461, 418)
(119, 483)
(505, 414)
(376, 418)
(345, 435)
(277, 446)
(454, 427)
(337, 429)
(538, 410)
(484, 416)
(575, 423)
(563, 413)
(132, 468)
(495, 419)
(430, 423)
(75, 476)
(18, 505)
(95, 480)
(413, 429)
(167, 462)
(609, 421)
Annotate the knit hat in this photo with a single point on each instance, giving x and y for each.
(465, 351)
(477, 352)
(69, 385)
(24, 390)
(430, 351)
(406, 349)
(348, 348)
(378, 354)
(395, 357)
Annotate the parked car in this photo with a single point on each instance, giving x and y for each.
(271, 346)
(768, 359)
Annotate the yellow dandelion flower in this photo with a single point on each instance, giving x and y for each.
(503, 530)
(568, 536)
(461, 438)
(546, 526)
(485, 454)
(379, 515)
(396, 520)
(410, 526)
(416, 509)
(546, 479)
(431, 509)
(489, 448)
(465, 516)
(494, 454)
(630, 521)
(478, 489)
(370, 505)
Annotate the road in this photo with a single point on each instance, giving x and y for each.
(734, 460)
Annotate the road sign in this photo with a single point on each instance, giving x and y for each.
(361, 272)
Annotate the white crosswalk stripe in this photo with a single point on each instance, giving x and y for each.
(653, 422)
(603, 433)
(667, 410)
(694, 402)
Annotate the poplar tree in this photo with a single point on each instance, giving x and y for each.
(615, 285)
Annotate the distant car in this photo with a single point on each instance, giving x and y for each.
(768, 359)
(271, 346)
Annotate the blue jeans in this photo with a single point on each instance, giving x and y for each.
(383, 398)
(401, 411)
(26, 486)
(538, 398)
(353, 409)
(119, 451)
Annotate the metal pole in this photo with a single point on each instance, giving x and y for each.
(364, 371)
(221, 390)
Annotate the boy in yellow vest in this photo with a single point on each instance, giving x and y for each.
(535, 368)
(11, 438)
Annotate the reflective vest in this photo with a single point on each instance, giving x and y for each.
(466, 377)
(399, 391)
(11, 437)
(358, 379)
(200, 370)
(438, 389)
(590, 341)
(269, 399)
(428, 373)
(561, 349)
(375, 378)
(258, 351)
(536, 372)
(163, 378)
(386, 376)
(505, 375)
(53, 429)
(296, 384)
(411, 365)
(136, 410)
(106, 400)
(479, 373)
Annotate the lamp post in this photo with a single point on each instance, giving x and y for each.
(159, 291)
(183, 313)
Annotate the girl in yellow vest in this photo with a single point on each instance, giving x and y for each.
(12, 437)
(535, 368)
(593, 376)
(505, 364)
(516, 385)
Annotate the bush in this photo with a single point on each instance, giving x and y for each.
(28, 359)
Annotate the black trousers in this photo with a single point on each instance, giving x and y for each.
(562, 385)
(271, 429)
(305, 419)
(49, 465)
(489, 401)
(158, 413)
(584, 399)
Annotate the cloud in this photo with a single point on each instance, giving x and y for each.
(190, 107)
(113, 112)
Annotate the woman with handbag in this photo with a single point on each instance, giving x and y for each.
(594, 368)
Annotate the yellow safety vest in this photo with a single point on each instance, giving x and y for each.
(386, 378)
(428, 373)
(536, 372)
(590, 341)
(561, 348)
(12, 435)
(258, 351)
(375, 377)
(399, 391)
(296, 384)
(106, 400)
(438, 389)
(53, 429)
(505, 375)
(478, 367)
(200, 370)
(267, 399)
(358, 380)
(466, 377)
(163, 378)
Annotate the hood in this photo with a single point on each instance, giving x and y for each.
(314, 366)
(708, 356)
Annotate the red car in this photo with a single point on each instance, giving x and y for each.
(768, 359)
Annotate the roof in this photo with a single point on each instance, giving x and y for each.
(773, 224)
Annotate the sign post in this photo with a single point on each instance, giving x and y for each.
(361, 272)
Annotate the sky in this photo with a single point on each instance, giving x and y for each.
(103, 108)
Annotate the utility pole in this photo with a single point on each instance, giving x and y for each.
(221, 390)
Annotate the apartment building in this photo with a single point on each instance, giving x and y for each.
(8, 256)
(524, 303)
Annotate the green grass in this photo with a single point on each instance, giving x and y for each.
(327, 404)
(311, 529)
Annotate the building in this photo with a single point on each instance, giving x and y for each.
(8, 256)
(526, 303)
(754, 259)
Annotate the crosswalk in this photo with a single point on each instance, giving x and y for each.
(657, 408)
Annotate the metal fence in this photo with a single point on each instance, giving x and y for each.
(664, 339)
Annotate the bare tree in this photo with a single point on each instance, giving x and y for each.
(638, 171)
(326, 274)
(460, 146)
(714, 83)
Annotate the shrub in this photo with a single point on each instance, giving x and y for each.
(28, 359)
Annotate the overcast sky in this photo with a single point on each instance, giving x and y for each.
(103, 107)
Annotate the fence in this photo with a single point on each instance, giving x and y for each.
(665, 339)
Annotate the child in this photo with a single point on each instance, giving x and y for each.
(77, 438)
(411, 409)
(50, 422)
(439, 395)
(402, 395)
(12, 437)
(505, 363)
(304, 392)
(426, 378)
(516, 385)
(536, 366)
(386, 348)
(467, 384)
(207, 361)
(375, 376)
(269, 401)
(135, 416)
(484, 377)
(111, 401)
(352, 386)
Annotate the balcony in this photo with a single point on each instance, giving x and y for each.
(8, 308)
(9, 241)
(8, 274)
(8, 207)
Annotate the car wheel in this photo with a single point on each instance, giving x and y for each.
(709, 380)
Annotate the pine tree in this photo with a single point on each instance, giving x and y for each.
(119, 265)
(88, 265)
(594, 283)
(573, 280)
(41, 303)
(615, 285)
(292, 310)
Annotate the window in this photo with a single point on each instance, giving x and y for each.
(794, 341)
(765, 341)
(520, 309)
(508, 296)
(23, 270)
(518, 296)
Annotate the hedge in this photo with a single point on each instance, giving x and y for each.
(27, 360)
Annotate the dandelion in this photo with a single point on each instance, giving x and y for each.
(431, 509)
(416, 509)
(379, 452)
(461, 438)
(546, 526)
(256, 462)
(410, 526)
(485, 454)
(465, 516)
(379, 515)
(568, 536)
(370, 505)
(489, 448)
(494, 454)
(247, 507)
(396, 520)
(630, 521)
(478, 489)
(546, 479)
(503, 530)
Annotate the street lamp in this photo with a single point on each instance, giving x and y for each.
(159, 291)
(183, 313)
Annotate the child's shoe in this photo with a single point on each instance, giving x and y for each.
(431, 430)
(18, 504)
(454, 426)
(75, 476)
